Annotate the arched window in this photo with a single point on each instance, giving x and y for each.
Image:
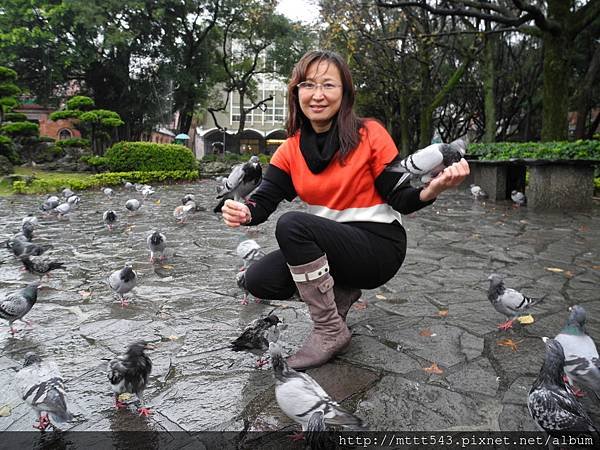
(65, 133)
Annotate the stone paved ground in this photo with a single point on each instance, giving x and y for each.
(190, 307)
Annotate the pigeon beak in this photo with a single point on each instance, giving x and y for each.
(149, 346)
(545, 339)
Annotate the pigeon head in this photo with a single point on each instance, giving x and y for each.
(187, 198)
(280, 365)
(254, 159)
(156, 238)
(111, 216)
(272, 319)
(30, 292)
(552, 369)
(27, 230)
(127, 274)
(138, 348)
(495, 280)
(31, 358)
(576, 317)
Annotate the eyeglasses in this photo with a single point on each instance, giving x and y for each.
(310, 86)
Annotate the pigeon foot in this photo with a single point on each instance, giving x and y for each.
(43, 422)
(120, 405)
(144, 411)
(124, 302)
(299, 436)
(261, 362)
(506, 325)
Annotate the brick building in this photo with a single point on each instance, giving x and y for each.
(61, 129)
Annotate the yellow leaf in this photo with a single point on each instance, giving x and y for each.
(513, 345)
(442, 313)
(380, 297)
(554, 269)
(125, 396)
(173, 338)
(167, 266)
(433, 369)
(5, 411)
(526, 320)
(569, 274)
(157, 202)
(596, 267)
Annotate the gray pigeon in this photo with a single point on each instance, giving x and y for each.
(240, 183)
(552, 406)
(507, 301)
(24, 248)
(250, 252)
(26, 233)
(50, 203)
(133, 204)
(317, 437)
(128, 185)
(581, 356)
(257, 335)
(299, 396)
(17, 304)
(33, 220)
(40, 267)
(40, 384)
(477, 192)
(188, 198)
(129, 373)
(157, 243)
(74, 200)
(182, 212)
(122, 281)
(110, 219)
(63, 209)
(518, 198)
(428, 162)
(108, 192)
(67, 193)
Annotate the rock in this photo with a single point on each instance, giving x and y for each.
(6, 166)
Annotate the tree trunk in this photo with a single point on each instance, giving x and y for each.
(489, 92)
(404, 128)
(583, 97)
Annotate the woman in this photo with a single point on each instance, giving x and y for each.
(352, 232)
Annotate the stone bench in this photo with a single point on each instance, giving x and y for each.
(553, 184)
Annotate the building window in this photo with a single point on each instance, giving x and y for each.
(249, 146)
(64, 134)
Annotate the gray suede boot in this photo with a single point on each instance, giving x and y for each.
(330, 335)
(345, 297)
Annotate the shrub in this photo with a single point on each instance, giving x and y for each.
(18, 129)
(99, 163)
(8, 149)
(148, 156)
(80, 102)
(537, 150)
(73, 142)
(15, 117)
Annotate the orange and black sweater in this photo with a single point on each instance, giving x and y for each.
(357, 192)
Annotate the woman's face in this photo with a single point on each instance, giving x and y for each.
(320, 105)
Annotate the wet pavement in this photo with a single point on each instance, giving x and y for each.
(434, 311)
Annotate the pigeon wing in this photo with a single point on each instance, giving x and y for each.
(13, 307)
(233, 180)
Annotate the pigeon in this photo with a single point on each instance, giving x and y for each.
(62, 210)
(188, 198)
(16, 305)
(182, 212)
(508, 301)
(40, 267)
(110, 218)
(317, 437)
(129, 372)
(582, 364)
(257, 335)
(145, 189)
(428, 162)
(477, 192)
(518, 198)
(128, 185)
(122, 281)
(30, 219)
(26, 233)
(250, 252)
(74, 200)
(157, 242)
(552, 406)
(242, 180)
(299, 396)
(133, 204)
(50, 203)
(40, 384)
(108, 192)
(67, 193)
(24, 248)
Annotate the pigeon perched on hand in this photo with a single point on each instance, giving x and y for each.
(122, 281)
(477, 192)
(24, 248)
(40, 384)
(250, 252)
(507, 301)
(582, 364)
(157, 243)
(257, 335)
(110, 219)
(552, 406)
(40, 267)
(133, 204)
(518, 198)
(299, 396)
(129, 372)
(17, 304)
(240, 183)
(428, 162)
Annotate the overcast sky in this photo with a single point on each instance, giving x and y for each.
(301, 10)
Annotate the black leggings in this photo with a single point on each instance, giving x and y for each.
(357, 258)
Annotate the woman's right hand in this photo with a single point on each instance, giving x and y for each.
(235, 213)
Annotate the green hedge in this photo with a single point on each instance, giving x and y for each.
(235, 157)
(41, 186)
(73, 142)
(537, 150)
(15, 117)
(148, 156)
(18, 129)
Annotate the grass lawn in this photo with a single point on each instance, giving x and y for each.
(6, 189)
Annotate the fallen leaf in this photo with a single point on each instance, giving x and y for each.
(554, 269)
(173, 338)
(5, 411)
(125, 396)
(509, 343)
(360, 305)
(85, 294)
(380, 297)
(596, 267)
(526, 320)
(157, 202)
(433, 369)
(167, 266)
(443, 313)
(425, 333)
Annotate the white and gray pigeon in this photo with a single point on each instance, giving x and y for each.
(188, 198)
(428, 162)
(508, 301)
(129, 373)
(133, 204)
(157, 243)
(582, 364)
(552, 405)
(110, 219)
(128, 185)
(249, 251)
(240, 183)
(67, 193)
(477, 192)
(182, 212)
(108, 192)
(518, 198)
(41, 385)
(62, 210)
(74, 200)
(17, 304)
(299, 396)
(33, 220)
(122, 281)
(50, 203)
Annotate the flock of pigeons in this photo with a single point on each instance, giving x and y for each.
(517, 197)
(571, 357)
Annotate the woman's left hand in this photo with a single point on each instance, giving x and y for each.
(450, 177)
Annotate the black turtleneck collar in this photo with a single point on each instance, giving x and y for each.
(319, 149)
